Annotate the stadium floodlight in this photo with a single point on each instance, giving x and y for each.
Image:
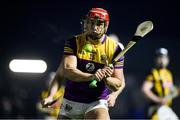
(27, 66)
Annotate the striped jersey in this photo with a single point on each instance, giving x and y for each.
(91, 56)
(162, 82)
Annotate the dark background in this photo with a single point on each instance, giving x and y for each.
(37, 30)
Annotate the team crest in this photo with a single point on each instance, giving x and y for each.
(90, 67)
(103, 57)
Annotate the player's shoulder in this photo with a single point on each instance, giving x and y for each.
(169, 71)
(74, 38)
(149, 72)
(111, 39)
(115, 42)
(70, 41)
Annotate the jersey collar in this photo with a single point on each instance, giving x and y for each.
(103, 39)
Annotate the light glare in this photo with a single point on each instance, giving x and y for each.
(28, 66)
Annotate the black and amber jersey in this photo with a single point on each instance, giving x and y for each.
(90, 62)
(55, 108)
(162, 81)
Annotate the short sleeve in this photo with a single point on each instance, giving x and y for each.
(120, 63)
(149, 77)
(70, 47)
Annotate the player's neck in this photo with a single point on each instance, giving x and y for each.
(96, 41)
(161, 67)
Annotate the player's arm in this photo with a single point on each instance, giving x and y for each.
(116, 81)
(57, 81)
(146, 89)
(116, 93)
(113, 96)
(71, 71)
(54, 86)
(173, 92)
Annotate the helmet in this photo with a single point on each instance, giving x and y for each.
(99, 13)
(162, 52)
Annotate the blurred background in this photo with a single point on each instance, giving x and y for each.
(34, 29)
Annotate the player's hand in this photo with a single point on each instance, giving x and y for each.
(47, 102)
(108, 71)
(164, 101)
(100, 74)
(111, 100)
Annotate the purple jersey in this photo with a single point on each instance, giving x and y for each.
(90, 62)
